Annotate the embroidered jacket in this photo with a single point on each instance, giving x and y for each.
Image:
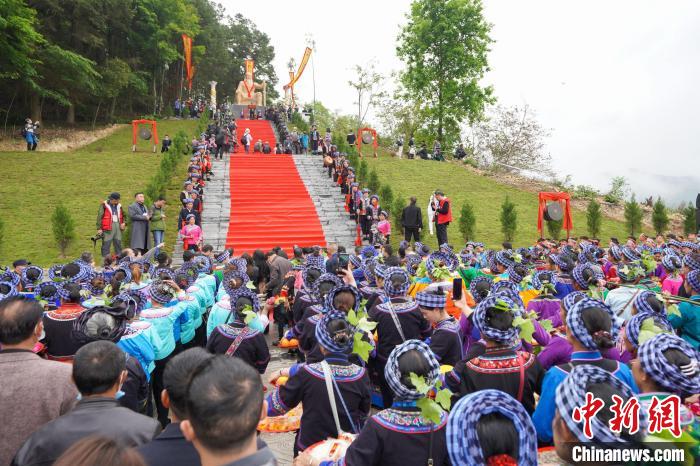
(446, 342)
(398, 437)
(413, 325)
(252, 348)
(499, 368)
(58, 325)
(307, 385)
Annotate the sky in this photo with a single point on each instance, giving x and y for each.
(616, 82)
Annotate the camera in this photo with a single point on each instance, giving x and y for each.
(97, 237)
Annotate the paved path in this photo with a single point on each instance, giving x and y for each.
(329, 202)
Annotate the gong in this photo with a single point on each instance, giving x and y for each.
(553, 212)
(145, 134)
(367, 138)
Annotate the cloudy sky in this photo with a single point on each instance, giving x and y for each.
(618, 83)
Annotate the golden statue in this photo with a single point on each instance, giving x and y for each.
(246, 91)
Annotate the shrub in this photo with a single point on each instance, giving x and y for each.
(554, 228)
(659, 216)
(594, 218)
(396, 212)
(467, 222)
(386, 197)
(509, 219)
(180, 143)
(618, 190)
(63, 227)
(689, 220)
(633, 216)
(373, 181)
(471, 162)
(362, 171)
(583, 191)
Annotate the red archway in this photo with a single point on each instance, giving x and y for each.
(358, 141)
(561, 198)
(135, 129)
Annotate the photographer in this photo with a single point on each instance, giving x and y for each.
(110, 224)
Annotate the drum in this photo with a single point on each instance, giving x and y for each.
(367, 138)
(145, 134)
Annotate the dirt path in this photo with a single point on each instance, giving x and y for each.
(61, 139)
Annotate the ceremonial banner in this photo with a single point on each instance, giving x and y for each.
(187, 48)
(305, 59)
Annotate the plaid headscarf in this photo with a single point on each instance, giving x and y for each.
(125, 271)
(203, 263)
(223, 257)
(38, 271)
(11, 290)
(316, 261)
(326, 339)
(393, 375)
(634, 325)
(238, 263)
(330, 297)
(562, 261)
(431, 299)
(325, 278)
(412, 263)
(400, 290)
(542, 278)
(514, 276)
(641, 303)
(616, 252)
(680, 380)
(95, 291)
(501, 336)
(630, 254)
(368, 252)
(673, 242)
(462, 435)
(574, 321)
(691, 261)
(474, 283)
(305, 274)
(230, 275)
(356, 261)
(580, 280)
(671, 262)
(11, 277)
(570, 299)
(380, 269)
(422, 249)
(47, 291)
(244, 292)
(161, 292)
(160, 272)
(571, 394)
(693, 279)
(504, 258)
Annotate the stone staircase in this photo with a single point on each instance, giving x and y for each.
(330, 203)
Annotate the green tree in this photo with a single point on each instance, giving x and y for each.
(444, 46)
(467, 221)
(594, 218)
(386, 197)
(659, 216)
(18, 41)
(63, 227)
(689, 220)
(633, 216)
(554, 228)
(373, 181)
(509, 219)
(362, 171)
(396, 213)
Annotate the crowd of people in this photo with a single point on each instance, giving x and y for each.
(118, 349)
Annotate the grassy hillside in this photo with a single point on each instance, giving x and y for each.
(421, 177)
(34, 182)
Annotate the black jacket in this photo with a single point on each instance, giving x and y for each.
(91, 416)
(412, 217)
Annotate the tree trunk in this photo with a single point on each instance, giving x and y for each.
(70, 116)
(440, 115)
(155, 96)
(36, 107)
(97, 112)
(9, 109)
(112, 108)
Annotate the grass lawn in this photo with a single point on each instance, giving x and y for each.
(35, 182)
(421, 177)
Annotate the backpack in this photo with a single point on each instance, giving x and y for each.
(243, 140)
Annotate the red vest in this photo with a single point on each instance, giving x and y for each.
(445, 218)
(107, 216)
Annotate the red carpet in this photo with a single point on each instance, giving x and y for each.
(269, 202)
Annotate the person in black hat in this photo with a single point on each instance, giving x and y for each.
(111, 221)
